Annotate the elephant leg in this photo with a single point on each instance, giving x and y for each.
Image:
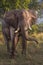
(6, 34)
(14, 40)
(7, 39)
(23, 41)
(24, 34)
(14, 44)
(7, 44)
(23, 46)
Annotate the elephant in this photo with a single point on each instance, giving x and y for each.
(16, 23)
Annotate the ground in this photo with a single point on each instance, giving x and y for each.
(34, 53)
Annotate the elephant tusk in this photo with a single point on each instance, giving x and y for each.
(30, 27)
(16, 31)
(26, 29)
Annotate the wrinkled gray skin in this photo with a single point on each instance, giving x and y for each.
(16, 23)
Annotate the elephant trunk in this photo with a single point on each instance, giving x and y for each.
(31, 39)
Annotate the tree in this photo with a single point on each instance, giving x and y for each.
(33, 4)
(14, 4)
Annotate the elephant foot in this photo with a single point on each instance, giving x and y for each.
(13, 54)
(24, 53)
(8, 52)
(12, 57)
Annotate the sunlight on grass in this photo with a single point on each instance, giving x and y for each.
(1, 38)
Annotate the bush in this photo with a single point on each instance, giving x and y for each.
(34, 29)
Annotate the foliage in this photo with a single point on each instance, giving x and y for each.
(33, 4)
(14, 4)
(18, 4)
(35, 28)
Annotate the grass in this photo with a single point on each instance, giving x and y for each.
(34, 54)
